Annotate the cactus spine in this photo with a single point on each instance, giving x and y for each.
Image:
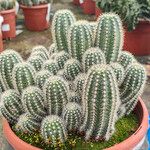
(109, 36)
(62, 21)
(100, 102)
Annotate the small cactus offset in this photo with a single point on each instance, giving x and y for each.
(72, 116)
(8, 59)
(53, 130)
(119, 72)
(53, 49)
(23, 76)
(71, 69)
(132, 86)
(92, 57)
(74, 97)
(109, 36)
(41, 78)
(80, 39)
(51, 66)
(27, 124)
(56, 94)
(33, 101)
(62, 21)
(100, 103)
(11, 106)
(61, 58)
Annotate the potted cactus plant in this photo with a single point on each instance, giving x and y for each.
(36, 13)
(7, 11)
(73, 95)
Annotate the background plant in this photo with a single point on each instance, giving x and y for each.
(7, 4)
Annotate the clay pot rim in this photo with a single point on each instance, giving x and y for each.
(7, 11)
(34, 7)
(130, 142)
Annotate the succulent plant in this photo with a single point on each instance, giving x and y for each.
(8, 59)
(33, 101)
(92, 57)
(72, 116)
(56, 94)
(53, 130)
(75, 97)
(100, 103)
(11, 106)
(1, 88)
(23, 76)
(53, 49)
(80, 38)
(6, 5)
(62, 21)
(133, 86)
(109, 36)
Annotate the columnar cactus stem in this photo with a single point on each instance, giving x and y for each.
(23, 75)
(92, 57)
(33, 101)
(133, 85)
(72, 115)
(100, 102)
(53, 130)
(53, 49)
(56, 94)
(62, 21)
(1, 87)
(93, 28)
(8, 59)
(109, 36)
(80, 39)
(74, 97)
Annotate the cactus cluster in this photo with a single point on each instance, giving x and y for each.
(6, 5)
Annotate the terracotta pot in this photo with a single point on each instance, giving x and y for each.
(89, 7)
(9, 23)
(35, 17)
(128, 144)
(76, 2)
(98, 11)
(1, 39)
(138, 40)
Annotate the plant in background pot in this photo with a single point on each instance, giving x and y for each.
(84, 94)
(7, 11)
(36, 13)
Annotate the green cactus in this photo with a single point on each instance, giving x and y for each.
(53, 130)
(62, 21)
(61, 58)
(11, 106)
(8, 59)
(72, 116)
(71, 69)
(53, 49)
(53, 56)
(41, 78)
(126, 59)
(27, 124)
(119, 72)
(100, 103)
(80, 39)
(23, 76)
(1, 88)
(74, 97)
(56, 94)
(33, 101)
(93, 28)
(92, 57)
(109, 36)
(132, 86)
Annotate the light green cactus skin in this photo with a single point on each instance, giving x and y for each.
(61, 59)
(11, 105)
(74, 97)
(62, 21)
(72, 116)
(119, 72)
(92, 57)
(126, 59)
(51, 66)
(36, 62)
(109, 36)
(132, 86)
(100, 103)
(56, 92)
(93, 28)
(80, 39)
(41, 78)
(23, 76)
(53, 130)
(27, 124)
(33, 101)
(71, 69)
(53, 49)
(1, 88)
(53, 56)
(8, 59)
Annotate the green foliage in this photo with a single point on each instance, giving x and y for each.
(7, 4)
(30, 3)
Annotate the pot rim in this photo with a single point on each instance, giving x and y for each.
(129, 143)
(34, 7)
(3, 12)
